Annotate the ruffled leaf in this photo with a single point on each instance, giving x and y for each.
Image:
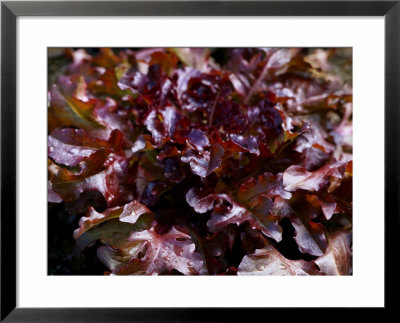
(172, 250)
(309, 235)
(114, 225)
(71, 146)
(226, 210)
(337, 259)
(100, 171)
(268, 261)
(193, 57)
(296, 177)
(70, 105)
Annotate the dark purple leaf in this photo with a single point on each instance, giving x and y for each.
(257, 140)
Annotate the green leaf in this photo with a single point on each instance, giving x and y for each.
(69, 104)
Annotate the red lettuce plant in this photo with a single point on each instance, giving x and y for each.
(200, 161)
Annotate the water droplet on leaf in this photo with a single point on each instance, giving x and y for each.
(260, 266)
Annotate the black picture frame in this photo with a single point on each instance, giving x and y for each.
(10, 10)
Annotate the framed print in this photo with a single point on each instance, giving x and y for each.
(195, 158)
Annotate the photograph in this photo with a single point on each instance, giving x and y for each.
(200, 161)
